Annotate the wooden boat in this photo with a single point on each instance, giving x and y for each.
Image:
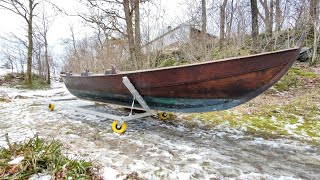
(208, 86)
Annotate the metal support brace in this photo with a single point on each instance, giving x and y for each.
(135, 93)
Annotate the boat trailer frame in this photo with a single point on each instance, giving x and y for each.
(122, 119)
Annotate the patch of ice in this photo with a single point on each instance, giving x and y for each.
(193, 156)
(254, 176)
(290, 128)
(162, 154)
(181, 129)
(40, 177)
(184, 175)
(17, 160)
(272, 144)
(179, 146)
(196, 166)
(138, 165)
(109, 173)
(287, 178)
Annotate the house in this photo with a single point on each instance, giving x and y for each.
(173, 38)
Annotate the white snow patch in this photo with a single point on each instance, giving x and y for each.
(254, 176)
(272, 144)
(109, 173)
(184, 175)
(138, 165)
(181, 129)
(290, 128)
(17, 160)
(40, 177)
(193, 156)
(179, 146)
(274, 119)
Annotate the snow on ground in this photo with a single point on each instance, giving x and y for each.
(152, 148)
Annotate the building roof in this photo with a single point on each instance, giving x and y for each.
(171, 30)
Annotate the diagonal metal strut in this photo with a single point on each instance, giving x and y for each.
(135, 93)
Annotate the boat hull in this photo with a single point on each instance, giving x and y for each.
(202, 87)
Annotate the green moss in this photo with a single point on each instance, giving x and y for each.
(309, 127)
(178, 63)
(265, 133)
(227, 52)
(294, 78)
(303, 72)
(168, 62)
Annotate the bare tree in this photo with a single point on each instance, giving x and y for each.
(222, 22)
(137, 31)
(278, 15)
(254, 23)
(314, 21)
(204, 17)
(17, 46)
(122, 12)
(230, 19)
(268, 7)
(10, 58)
(45, 22)
(26, 11)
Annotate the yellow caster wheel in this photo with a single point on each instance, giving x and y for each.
(120, 129)
(164, 116)
(51, 107)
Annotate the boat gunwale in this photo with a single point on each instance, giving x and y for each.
(185, 65)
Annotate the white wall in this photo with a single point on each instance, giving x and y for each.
(180, 34)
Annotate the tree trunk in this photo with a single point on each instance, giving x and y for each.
(315, 47)
(313, 15)
(255, 25)
(222, 22)
(270, 24)
(128, 18)
(313, 29)
(47, 58)
(137, 37)
(11, 65)
(229, 26)
(74, 44)
(204, 29)
(204, 18)
(39, 61)
(278, 15)
(268, 16)
(21, 62)
(30, 45)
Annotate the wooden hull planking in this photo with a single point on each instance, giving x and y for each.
(209, 86)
